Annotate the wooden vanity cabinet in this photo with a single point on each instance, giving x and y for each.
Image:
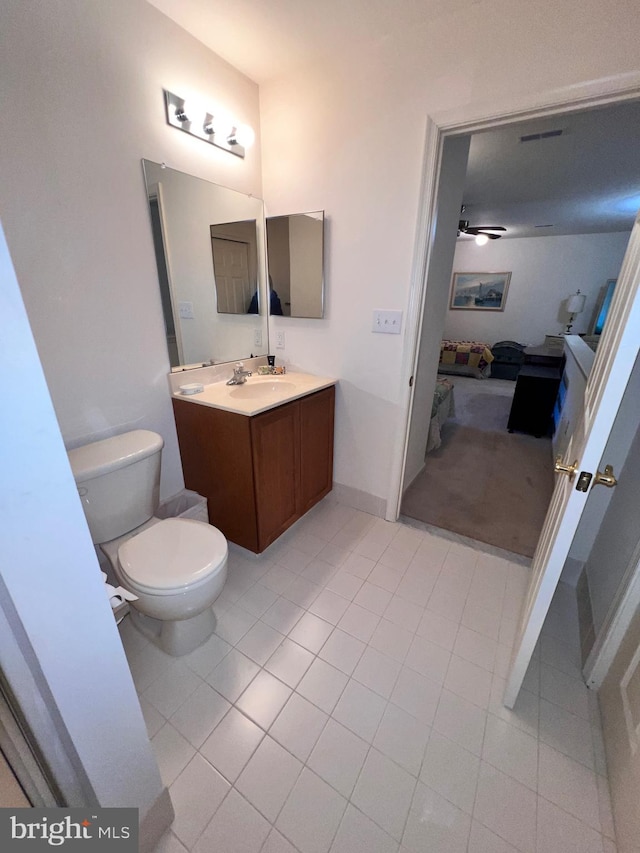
(259, 474)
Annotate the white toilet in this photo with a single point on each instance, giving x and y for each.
(176, 567)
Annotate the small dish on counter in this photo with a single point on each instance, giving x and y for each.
(191, 388)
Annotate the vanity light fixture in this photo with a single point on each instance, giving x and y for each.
(202, 123)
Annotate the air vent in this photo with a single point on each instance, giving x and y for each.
(548, 134)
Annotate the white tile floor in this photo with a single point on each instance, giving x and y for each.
(350, 701)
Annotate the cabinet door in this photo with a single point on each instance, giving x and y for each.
(215, 448)
(316, 447)
(276, 465)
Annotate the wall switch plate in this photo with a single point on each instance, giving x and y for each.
(280, 340)
(387, 322)
(185, 309)
(257, 337)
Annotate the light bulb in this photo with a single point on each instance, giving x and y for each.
(242, 134)
(181, 113)
(191, 109)
(482, 240)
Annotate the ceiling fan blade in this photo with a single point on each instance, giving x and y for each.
(483, 229)
(476, 230)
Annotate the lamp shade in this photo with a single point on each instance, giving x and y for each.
(575, 303)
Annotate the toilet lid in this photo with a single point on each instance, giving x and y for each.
(174, 553)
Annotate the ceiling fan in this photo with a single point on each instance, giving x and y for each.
(477, 230)
(490, 232)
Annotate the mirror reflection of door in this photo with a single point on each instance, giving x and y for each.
(231, 271)
(235, 262)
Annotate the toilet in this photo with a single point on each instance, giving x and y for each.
(176, 567)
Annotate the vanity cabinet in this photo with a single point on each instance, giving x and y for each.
(259, 474)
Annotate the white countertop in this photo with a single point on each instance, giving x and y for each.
(258, 393)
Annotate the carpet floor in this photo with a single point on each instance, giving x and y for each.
(483, 482)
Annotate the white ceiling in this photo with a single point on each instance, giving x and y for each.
(268, 38)
(585, 181)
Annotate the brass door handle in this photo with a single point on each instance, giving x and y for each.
(607, 479)
(569, 470)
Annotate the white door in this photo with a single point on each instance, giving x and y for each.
(231, 271)
(620, 707)
(615, 357)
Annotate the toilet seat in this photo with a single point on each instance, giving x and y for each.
(172, 556)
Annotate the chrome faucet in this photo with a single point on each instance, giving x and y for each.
(239, 374)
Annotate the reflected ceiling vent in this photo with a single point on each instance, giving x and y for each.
(547, 134)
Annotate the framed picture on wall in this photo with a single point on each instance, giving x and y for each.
(479, 291)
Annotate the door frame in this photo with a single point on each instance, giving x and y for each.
(467, 120)
(618, 619)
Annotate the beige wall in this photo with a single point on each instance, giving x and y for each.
(545, 271)
(348, 137)
(83, 82)
(305, 235)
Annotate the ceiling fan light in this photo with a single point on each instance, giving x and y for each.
(481, 239)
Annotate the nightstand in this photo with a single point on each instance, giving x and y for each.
(544, 356)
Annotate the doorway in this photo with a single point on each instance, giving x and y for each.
(484, 482)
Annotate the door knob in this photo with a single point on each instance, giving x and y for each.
(607, 479)
(560, 468)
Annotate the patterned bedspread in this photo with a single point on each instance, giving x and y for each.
(471, 353)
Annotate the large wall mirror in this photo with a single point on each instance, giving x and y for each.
(210, 250)
(295, 245)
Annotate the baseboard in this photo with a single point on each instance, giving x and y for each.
(357, 499)
(155, 823)
(586, 627)
(413, 479)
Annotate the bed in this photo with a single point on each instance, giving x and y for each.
(465, 358)
(442, 409)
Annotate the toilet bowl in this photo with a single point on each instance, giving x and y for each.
(176, 567)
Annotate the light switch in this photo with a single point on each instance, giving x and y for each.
(257, 337)
(387, 322)
(280, 340)
(185, 309)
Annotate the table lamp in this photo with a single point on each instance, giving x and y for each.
(575, 305)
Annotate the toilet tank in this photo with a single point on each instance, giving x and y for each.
(118, 481)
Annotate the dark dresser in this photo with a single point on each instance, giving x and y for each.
(536, 391)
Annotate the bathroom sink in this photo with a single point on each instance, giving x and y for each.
(261, 388)
(258, 394)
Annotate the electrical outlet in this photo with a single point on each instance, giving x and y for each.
(185, 309)
(257, 337)
(387, 322)
(280, 340)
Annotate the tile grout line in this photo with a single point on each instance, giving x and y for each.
(401, 665)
